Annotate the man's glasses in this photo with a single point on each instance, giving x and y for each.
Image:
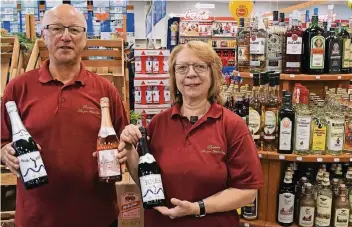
(60, 29)
(197, 67)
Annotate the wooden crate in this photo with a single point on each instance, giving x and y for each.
(10, 59)
(112, 66)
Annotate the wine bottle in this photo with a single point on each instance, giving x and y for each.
(32, 169)
(286, 201)
(149, 176)
(108, 166)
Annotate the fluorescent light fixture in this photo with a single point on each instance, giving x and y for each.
(204, 6)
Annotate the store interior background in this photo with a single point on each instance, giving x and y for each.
(221, 10)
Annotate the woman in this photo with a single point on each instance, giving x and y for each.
(208, 168)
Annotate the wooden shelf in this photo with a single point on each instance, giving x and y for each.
(254, 223)
(273, 224)
(305, 158)
(304, 77)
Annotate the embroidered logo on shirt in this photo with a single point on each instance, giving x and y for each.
(212, 149)
(88, 109)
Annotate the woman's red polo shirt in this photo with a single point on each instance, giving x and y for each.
(199, 160)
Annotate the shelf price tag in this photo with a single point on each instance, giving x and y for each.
(246, 225)
(299, 158)
(336, 160)
(339, 77)
(281, 157)
(251, 74)
(350, 159)
(292, 75)
(260, 155)
(319, 160)
(317, 77)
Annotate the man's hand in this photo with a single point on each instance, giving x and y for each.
(182, 208)
(9, 159)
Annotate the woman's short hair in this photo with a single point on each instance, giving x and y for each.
(205, 53)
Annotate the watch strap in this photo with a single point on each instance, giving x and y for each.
(201, 209)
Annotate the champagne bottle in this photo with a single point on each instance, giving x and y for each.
(149, 176)
(108, 166)
(32, 169)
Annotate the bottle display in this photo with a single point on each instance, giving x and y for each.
(286, 201)
(258, 46)
(341, 208)
(32, 168)
(333, 53)
(307, 207)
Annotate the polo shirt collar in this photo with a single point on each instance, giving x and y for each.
(45, 75)
(215, 110)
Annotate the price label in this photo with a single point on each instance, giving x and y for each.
(251, 74)
(317, 77)
(100, 10)
(339, 77)
(260, 155)
(350, 159)
(292, 75)
(7, 18)
(29, 11)
(319, 159)
(117, 10)
(8, 11)
(336, 160)
(299, 158)
(281, 157)
(246, 224)
(118, 16)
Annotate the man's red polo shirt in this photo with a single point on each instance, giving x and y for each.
(200, 160)
(64, 120)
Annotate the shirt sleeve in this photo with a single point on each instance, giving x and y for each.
(6, 131)
(119, 119)
(243, 165)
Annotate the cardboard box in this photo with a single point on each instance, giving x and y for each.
(129, 202)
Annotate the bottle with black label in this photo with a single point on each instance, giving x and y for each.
(32, 169)
(149, 176)
(333, 51)
(286, 125)
(307, 207)
(250, 211)
(286, 201)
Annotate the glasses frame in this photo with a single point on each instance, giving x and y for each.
(66, 27)
(193, 68)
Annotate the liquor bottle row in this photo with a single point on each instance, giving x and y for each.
(303, 124)
(324, 201)
(291, 50)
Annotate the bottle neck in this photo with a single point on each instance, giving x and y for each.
(315, 22)
(105, 117)
(143, 144)
(18, 129)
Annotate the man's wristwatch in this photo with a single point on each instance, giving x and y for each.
(201, 209)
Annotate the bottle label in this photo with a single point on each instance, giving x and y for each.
(317, 52)
(269, 124)
(293, 64)
(147, 158)
(250, 210)
(257, 45)
(306, 216)
(106, 131)
(294, 45)
(151, 187)
(254, 123)
(130, 205)
(346, 53)
(335, 57)
(286, 207)
(323, 210)
(302, 132)
(108, 164)
(341, 217)
(285, 134)
(243, 53)
(274, 52)
(319, 135)
(31, 166)
(336, 135)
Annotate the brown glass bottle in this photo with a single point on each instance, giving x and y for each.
(286, 121)
(341, 209)
(255, 112)
(293, 46)
(108, 166)
(306, 207)
(243, 38)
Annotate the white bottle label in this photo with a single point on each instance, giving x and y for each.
(285, 134)
(323, 210)
(108, 164)
(336, 135)
(302, 132)
(151, 187)
(286, 207)
(341, 217)
(294, 45)
(346, 53)
(138, 65)
(317, 52)
(254, 123)
(31, 166)
(149, 97)
(257, 45)
(306, 216)
(155, 66)
(269, 124)
(149, 66)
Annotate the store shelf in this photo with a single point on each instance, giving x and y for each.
(273, 224)
(306, 158)
(254, 223)
(304, 77)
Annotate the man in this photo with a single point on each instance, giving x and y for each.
(59, 106)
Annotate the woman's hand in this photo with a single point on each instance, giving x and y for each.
(182, 208)
(130, 135)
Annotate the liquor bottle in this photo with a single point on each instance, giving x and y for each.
(318, 183)
(347, 147)
(346, 42)
(299, 193)
(333, 47)
(349, 178)
(239, 103)
(274, 45)
(341, 208)
(270, 117)
(336, 132)
(286, 201)
(258, 46)
(319, 129)
(324, 203)
(250, 211)
(149, 175)
(32, 169)
(254, 121)
(286, 122)
(293, 46)
(109, 168)
(303, 125)
(314, 48)
(243, 41)
(307, 207)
